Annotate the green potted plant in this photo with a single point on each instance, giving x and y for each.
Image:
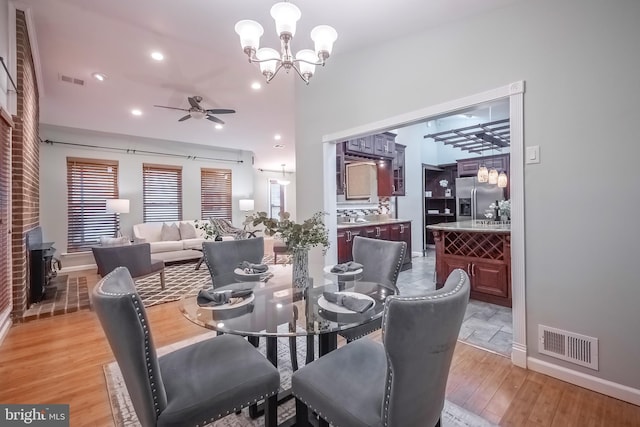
(299, 238)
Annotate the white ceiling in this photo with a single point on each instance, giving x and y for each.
(202, 57)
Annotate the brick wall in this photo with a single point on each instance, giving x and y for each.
(25, 165)
(5, 177)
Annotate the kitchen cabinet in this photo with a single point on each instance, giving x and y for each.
(362, 145)
(397, 166)
(438, 207)
(485, 256)
(469, 167)
(384, 145)
(400, 232)
(385, 178)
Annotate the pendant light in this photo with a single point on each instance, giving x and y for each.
(284, 180)
(483, 172)
(502, 180)
(493, 176)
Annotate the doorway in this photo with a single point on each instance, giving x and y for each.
(515, 93)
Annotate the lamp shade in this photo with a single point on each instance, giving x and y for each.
(502, 180)
(309, 56)
(323, 37)
(286, 15)
(266, 53)
(483, 174)
(250, 33)
(246, 204)
(493, 176)
(118, 206)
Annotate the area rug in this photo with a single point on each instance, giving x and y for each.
(124, 414)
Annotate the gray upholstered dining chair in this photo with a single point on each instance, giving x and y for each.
(399, 383)
(223, 257)
(137, 259)
(194, 385)
(381, 261)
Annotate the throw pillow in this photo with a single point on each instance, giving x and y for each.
(114, 241)
(187, 231)
(170, 232)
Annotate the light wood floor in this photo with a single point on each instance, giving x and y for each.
(60, 359)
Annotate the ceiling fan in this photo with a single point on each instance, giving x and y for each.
(197, 112)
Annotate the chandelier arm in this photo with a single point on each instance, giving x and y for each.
(275, 72)
(309, 62)
(299, 73)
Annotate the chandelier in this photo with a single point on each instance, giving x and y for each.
(286, 15)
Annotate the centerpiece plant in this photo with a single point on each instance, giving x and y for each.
(299, 238)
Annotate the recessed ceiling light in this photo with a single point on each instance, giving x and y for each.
(158, 56)
(255, 85)
(277, 137)
(218, 126)
(278, 146)
(136, 112)
(99, 76)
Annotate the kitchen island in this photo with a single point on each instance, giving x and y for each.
(375, 228)
(483, 250)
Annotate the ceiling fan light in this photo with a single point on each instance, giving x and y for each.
(323, 37)
(283, 182)
(493, 176)
(266, 53)
(483, 174)
(286, 15)
(250, 33)
(502, 180)
(307, 56)
(198, 114)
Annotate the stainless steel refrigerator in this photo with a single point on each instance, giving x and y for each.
(473, 198)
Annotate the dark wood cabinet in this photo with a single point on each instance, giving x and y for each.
(438, 207)
(486, 257)
(384, 145)
(362, 145)
(397, 166)
(399, 232)
(469, 167)
(340, 170)
(384, 178)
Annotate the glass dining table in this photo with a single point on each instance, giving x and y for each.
(277, 309)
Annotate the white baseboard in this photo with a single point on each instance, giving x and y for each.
(5, 323)
(609, 388)
(416, 254)
(72, 268)
(519, 355)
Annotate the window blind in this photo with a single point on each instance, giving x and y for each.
(162, 193)
(276, 199)
(89, 183)
(216, 193)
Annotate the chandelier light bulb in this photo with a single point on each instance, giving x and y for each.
(250, 33)
(286, 15)
(307, 63)
(502, 180)
(493, 176)
(323, 37)
(271, 57)
(483, 174)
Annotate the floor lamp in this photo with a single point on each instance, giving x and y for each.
(118, 206)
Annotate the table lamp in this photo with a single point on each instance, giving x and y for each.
(118, 206)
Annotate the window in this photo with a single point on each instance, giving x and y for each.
(89, 183)
(216, 193)
(276, 199)
(162, 193)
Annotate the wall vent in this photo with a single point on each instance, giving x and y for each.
(72, 80)
(569, 346)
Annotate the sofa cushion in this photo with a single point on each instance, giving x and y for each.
(114, 241)
(170, 232)
(193, 243)
(187, 231)
(175, 245)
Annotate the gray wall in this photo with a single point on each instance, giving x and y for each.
(53, 178)
(580, 63)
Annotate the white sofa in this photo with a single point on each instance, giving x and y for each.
(168, 250)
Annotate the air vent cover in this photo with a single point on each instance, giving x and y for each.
(72, 80)
(569, 346)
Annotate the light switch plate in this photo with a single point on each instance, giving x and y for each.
(532, 154)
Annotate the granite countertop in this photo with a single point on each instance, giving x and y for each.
(343, 225)
(472, 226)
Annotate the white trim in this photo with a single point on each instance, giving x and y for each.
(73, 268)
(609, 388)
(514, 92)
(5, 323)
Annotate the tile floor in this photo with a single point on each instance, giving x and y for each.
(485, 325)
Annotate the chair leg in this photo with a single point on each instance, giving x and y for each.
(162, 279)
(271, 411)
(438, 423)
(302, 414)
(255, 341)
(293, 353)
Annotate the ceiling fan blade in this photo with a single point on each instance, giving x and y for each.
(215, 119)
(171, 108)
(220, 111)
(182, 119)
(193, 102)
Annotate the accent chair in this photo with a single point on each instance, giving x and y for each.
(136, 258)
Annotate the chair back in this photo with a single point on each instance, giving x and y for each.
(124, 321)
(223, 257)
(137, 259)
(381, 259)
(419, 335)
